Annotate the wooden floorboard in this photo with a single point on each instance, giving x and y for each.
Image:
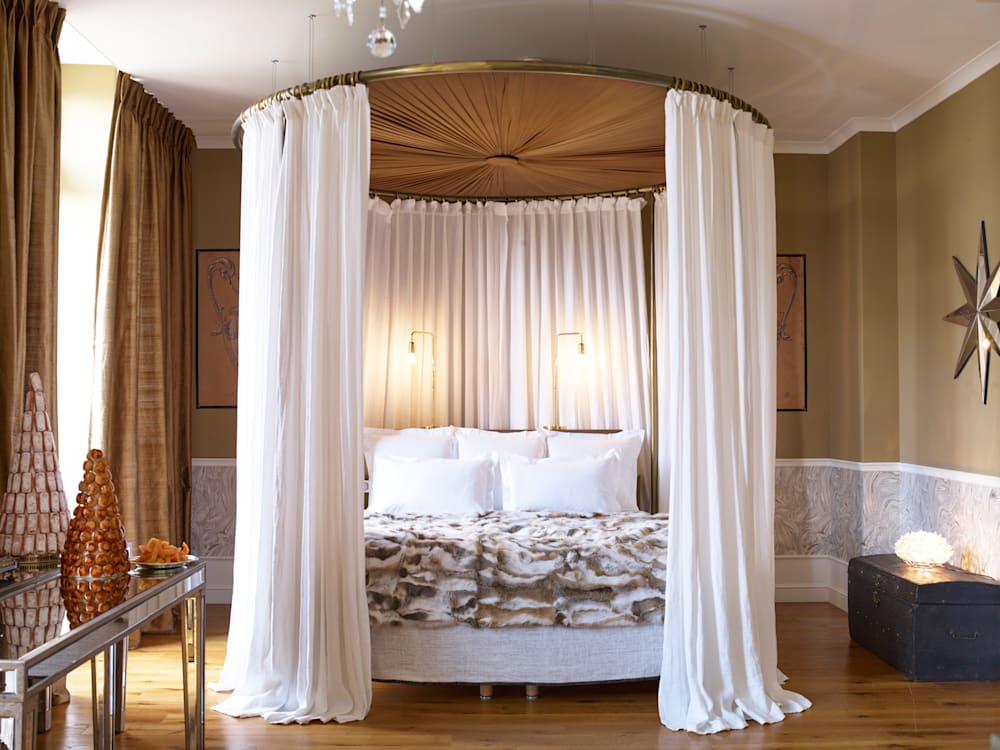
(858, 702)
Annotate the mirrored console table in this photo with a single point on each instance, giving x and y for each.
(38, 647)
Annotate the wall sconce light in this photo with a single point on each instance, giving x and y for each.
(581, 352)
(411, 358)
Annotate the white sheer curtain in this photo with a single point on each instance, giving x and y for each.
(537, 269)
(495, 283)
(298, 637)
(716, 338)
(413, 282)
(540, 268)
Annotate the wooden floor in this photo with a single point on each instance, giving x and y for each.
(858, 702)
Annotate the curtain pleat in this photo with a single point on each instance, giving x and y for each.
(143, 316)
(716, 317)
(413, 282)
(496, 283)
(298, 645)
(30, 128)
(561, 135)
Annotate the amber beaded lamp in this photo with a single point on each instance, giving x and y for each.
(95, 541)
(86, 599)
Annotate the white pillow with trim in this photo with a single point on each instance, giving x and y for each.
(627, 442)
(475, 443)
(412, 442)
(430, 486)
(565, 485)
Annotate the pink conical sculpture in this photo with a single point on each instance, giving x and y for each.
(32, 618)
(34, 515)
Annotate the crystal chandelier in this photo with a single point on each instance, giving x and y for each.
(381, 41)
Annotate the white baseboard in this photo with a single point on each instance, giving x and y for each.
(807, 578)
(219, 580)
(798, 578)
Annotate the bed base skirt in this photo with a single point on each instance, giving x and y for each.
(519, 655)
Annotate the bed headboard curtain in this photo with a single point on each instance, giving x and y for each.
(496, 283)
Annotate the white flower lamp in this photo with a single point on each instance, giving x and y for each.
(923, 549)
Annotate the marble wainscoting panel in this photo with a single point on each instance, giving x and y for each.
(823, 507)
(791, 511)
(213, 507)
(841, 509)
(963, 508)
(818, 509)
(881, 510)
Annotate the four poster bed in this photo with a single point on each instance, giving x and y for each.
(306, 637)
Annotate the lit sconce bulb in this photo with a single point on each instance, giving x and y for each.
(984, 343)
(581, 351)
(411, 356)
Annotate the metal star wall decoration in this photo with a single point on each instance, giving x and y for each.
(981, 302)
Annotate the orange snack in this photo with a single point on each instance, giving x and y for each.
(159, 551)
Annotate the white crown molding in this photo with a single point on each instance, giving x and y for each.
(800, 147)
(856, 125)
(952, 84)
(214, 141)
(210, 132)
(948, 86)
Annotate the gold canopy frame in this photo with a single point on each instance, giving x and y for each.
(511, 130)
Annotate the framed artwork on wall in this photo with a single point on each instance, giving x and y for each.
(217, 305)
(791, 276)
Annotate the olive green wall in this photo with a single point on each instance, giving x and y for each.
(878, 220)
(801, 186)
(948, 180)
(840, 211)
(800, 183)
(216, 225)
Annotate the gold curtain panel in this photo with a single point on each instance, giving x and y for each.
(523, 134)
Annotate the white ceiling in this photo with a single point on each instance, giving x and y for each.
(820, 70)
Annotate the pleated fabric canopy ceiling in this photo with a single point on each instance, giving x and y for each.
(509, 129)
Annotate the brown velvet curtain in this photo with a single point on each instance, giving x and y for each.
(30, 91)
(143, 329)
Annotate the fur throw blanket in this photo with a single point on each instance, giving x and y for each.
(503, 569)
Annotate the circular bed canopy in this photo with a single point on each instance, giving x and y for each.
(511, 129)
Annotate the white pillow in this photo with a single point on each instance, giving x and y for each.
(430, 486)
(412, 442)
(474, 443)
(626, 442)
(578, 485)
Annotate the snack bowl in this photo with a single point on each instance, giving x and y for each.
(159, 567)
